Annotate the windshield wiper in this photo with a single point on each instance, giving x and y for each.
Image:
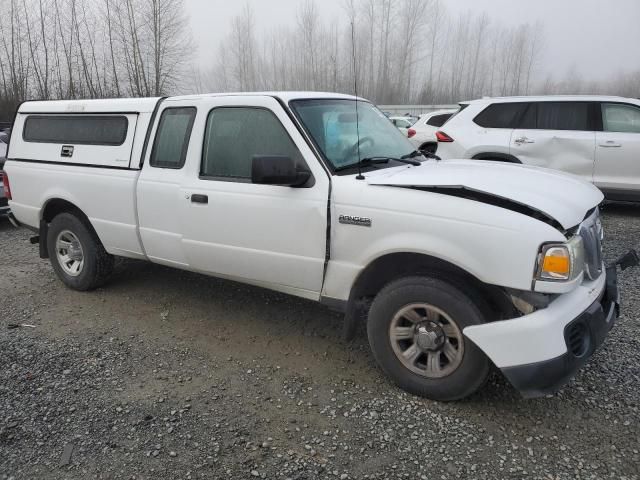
(378, 160)
(404, 159)
(364, 162)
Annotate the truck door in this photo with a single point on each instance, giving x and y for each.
(558, 135)
(159, 195)
(274, 236)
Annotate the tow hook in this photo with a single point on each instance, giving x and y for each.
(628, 260)
(612, 291)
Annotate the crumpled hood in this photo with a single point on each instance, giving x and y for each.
(560, 196)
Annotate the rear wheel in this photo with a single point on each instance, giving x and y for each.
(415, 331)
(76, 254)
(430, 147)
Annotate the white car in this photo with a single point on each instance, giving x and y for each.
(426, 127)
(594, 137)
(404, 124)
(454, 266)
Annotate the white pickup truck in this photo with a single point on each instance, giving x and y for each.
(454, 265)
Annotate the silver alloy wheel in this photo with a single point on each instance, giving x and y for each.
(69, 253)
(426, 340)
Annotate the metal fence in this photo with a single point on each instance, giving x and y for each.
(414, 109)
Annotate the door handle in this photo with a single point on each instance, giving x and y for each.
(522, 140)
(610, 144)
(198, 198)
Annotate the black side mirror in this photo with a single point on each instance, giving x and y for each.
(277, 170)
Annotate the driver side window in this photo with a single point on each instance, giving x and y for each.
(234, 135)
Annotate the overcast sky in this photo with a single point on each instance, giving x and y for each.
(595, 36)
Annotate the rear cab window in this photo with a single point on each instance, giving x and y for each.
(172, 138)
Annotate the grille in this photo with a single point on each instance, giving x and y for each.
(591, 233)
(577, 337)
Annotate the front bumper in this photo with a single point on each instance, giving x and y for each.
(540, 352)
(582, 336)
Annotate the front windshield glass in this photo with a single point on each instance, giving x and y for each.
(332, 124)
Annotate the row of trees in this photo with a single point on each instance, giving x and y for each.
(405, 51)
(625, 84)
(91, 48)
(400, 51)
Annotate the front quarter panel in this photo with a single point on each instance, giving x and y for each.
(496, 245)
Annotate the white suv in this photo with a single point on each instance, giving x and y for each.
(594, 137)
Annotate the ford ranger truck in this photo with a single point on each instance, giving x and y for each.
(454, 266)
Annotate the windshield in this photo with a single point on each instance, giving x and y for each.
(332, 124)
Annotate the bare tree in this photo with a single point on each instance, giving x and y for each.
(535, 45)
(407, 51)
(481, 26)
(412, 20)
(242, 46)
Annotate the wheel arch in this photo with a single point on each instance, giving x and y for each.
(392, 266)
(52, 208)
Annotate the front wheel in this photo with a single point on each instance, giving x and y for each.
(76, 253)
(415, 331)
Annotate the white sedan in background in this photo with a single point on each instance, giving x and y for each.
(403, 124)
(425, 129)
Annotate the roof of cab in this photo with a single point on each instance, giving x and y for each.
(284, 96)
(145, 105)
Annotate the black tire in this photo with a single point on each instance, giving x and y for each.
(97, 263)
(473, 369)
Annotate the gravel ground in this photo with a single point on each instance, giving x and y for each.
(166, 374)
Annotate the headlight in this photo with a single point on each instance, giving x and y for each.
(561, 262)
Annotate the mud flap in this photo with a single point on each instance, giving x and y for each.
(355, 314)
(42, 239)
